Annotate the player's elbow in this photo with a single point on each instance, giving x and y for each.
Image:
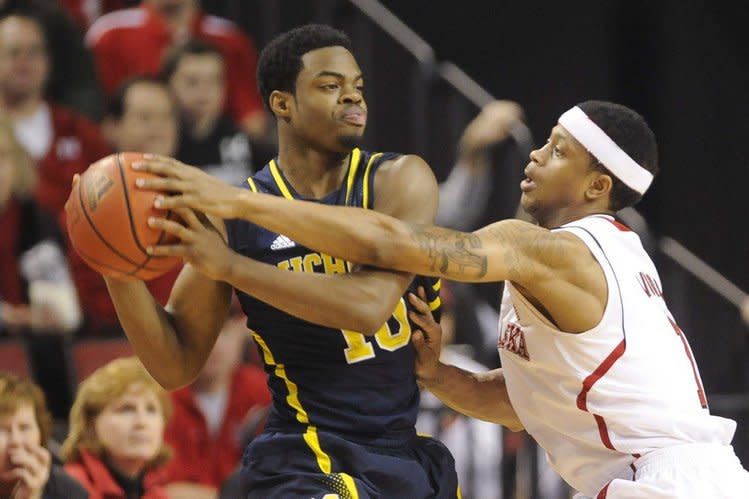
(172, 375)
(370, 319)
(514, 426)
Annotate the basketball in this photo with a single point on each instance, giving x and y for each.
(107, 221)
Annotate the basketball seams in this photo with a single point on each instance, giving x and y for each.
(134, 233)
(126, 194)
(96, 230)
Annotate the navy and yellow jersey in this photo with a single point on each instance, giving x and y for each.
(362, 388)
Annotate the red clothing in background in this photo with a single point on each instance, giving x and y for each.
(76, 143)
(200, 457)
(133, 41)
(11, 288)
(93, 474)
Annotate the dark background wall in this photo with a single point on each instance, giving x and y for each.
(684, 65)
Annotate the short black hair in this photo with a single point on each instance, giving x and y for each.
(632, 134)
(116, 104)
(281, 60)
(192, 46)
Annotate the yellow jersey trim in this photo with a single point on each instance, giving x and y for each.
(353, 166)
(310, 435)
(323, 460)
(365, 181)
(437, 285)
(251, 181)
(279, 180)
(350, 485)
(434, 304)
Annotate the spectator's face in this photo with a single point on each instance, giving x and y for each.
(198, 86)
(149, 121)
(17, 429)
(131, 428)
(8, 169)
(23, 59)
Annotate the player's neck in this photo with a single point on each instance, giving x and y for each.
(21, 107)
(312, 173)
(569, 214)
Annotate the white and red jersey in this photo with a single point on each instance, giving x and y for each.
(598, 400)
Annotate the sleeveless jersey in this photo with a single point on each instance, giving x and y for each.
(598, 400)
(362, 388)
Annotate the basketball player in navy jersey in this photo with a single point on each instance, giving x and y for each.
(594, 366)
(335, 339)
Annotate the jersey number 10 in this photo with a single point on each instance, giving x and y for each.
(359, 348)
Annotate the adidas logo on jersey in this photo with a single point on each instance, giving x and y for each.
(282, 242)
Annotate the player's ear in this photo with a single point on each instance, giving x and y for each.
(600, 185)
(280, 104)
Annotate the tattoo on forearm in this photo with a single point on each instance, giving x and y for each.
(452, 253)
(520, 243)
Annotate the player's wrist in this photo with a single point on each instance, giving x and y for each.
(433, 377)
(245, 204)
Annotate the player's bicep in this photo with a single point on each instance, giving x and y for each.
(198, 306)
(531, 255)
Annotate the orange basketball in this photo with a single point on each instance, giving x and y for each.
(107, 221)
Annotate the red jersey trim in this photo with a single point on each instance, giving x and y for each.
(582, 402)
(582, 397)
(615, 223)
(603, 492)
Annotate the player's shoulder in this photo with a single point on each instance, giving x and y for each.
(405, 183)
(405, 168)
(113, 22)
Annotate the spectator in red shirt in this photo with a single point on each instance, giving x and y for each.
(61, 141)
(116, 441)
(212, 417)
(72, 79)
(36, 290)
(133, 41)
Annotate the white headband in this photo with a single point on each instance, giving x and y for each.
(605, 150)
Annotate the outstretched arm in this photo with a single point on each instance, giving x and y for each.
(362, 236)
(553, 268)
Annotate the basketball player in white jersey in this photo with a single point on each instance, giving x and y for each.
(594, 366)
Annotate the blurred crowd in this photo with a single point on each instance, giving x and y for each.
(80, 79)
